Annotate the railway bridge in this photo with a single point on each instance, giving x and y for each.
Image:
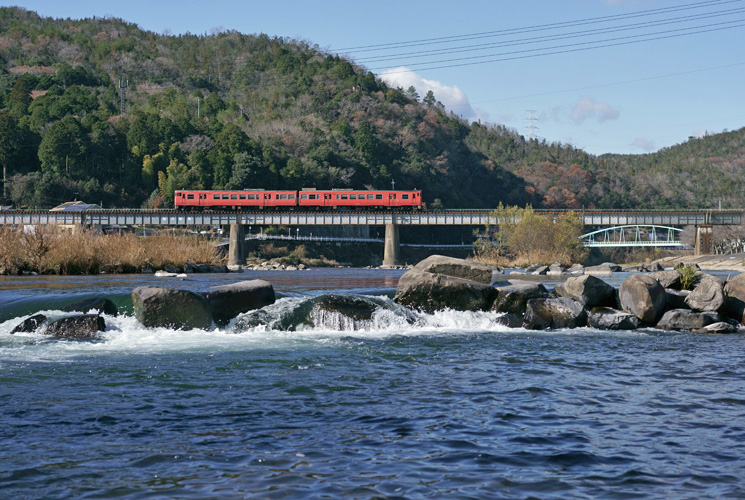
(703, 220)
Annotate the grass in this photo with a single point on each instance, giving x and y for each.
(48, 250)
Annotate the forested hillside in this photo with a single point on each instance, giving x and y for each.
(230, 110)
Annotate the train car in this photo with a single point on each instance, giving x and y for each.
(358, 200)
(250, 199)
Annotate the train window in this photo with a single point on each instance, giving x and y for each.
(370, 196)
(314, 197)
(216, 197)
(404, 196)
(242, 197)
(233, 196)
(303, 196)
(344, 197)
(378, 196)
(189, 196)
(352, 196)
(225, 197)
(283, 197)
(292, 196)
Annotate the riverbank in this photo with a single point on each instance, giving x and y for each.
(732, 262)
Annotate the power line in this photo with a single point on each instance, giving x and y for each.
(577, 47)
(547, 38)
(541, 27)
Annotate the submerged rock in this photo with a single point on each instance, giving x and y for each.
(103, 306)
(171, 308)
(84, 326)
(551, 313)
(228, 301)
(30, 324)
(719, 327)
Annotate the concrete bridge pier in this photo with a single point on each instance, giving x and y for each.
(391, 247)
(704, 240)
(237, 245)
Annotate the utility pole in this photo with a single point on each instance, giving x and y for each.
(531, 123)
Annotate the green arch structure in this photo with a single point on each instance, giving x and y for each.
(633, 236)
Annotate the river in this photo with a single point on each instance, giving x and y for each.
(449, 405)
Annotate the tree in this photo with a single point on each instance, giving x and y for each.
(429, 99)
(9, 141)
(63, 148)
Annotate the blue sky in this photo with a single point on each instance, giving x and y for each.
(607, 76)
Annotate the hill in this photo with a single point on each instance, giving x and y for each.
(230, 110)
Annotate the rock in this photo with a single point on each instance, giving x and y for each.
(457, 268)
(513, 297)
(668, 279)
(555, 269)
(708, 295)
(588, 290)
(102, 306)
(228, 301)
(551, 313)
(431, 292)
(719, 327)
(577, 269)
(30, 324)
(171, 308)
(734, 292)
(84, 326)
(349, 306)
(510, 320)
(605, 318)
(601, 270)
(171, 270)
(540, 271)
(685, 319)
(676, 299)
(643, 296)
(218, 269)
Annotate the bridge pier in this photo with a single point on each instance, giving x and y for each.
(704, 240)
(237, 245)
(391, 247)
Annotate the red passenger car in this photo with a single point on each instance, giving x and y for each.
(342, 198)
(235, 200)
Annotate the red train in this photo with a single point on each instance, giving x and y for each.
(307, 199)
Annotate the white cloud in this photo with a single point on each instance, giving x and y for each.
(453, 98)
(588, 108)
(644, 144)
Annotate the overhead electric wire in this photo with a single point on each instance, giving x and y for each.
(569, 48)
(542, 27)
(547, 38)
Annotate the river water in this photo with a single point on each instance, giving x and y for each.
(449, 405)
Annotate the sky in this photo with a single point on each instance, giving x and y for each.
(606, 76)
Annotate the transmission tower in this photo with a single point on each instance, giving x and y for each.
(123, 85)
(532, 120)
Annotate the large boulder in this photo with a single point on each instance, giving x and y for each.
(605, 318)
(556, 269)
(685, 319)
(84, 326)
(171, 308)
(513, 298)
(430, 292)
(734, 292)
(708, 295)
(30, 324)
(676, 299)
(101, 305)
(457, 268)
(644, 297)
(588, 290)
(550, 313)
(668, 279)
(228, 301)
